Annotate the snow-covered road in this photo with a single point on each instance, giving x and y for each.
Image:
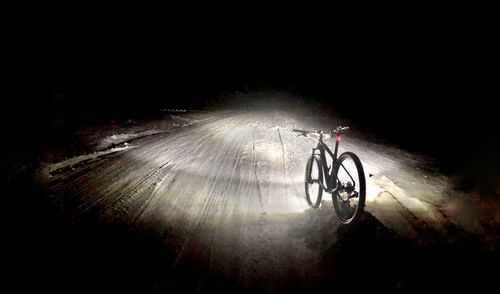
(231, 192)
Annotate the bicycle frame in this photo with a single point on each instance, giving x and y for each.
(331, 183)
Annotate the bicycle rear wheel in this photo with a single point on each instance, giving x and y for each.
(313, 178)
(349, 198)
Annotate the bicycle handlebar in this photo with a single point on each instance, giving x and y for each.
(338, 131)
(341, 130)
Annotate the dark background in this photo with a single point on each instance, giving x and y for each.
(423, 86)
(421, 83)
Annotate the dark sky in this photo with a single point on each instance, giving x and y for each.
(423, 86)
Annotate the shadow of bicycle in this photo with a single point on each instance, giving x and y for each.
(367, 255)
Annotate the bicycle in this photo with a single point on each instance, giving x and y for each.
(345, 189)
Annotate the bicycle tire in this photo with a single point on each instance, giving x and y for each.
(362, 189)
(307, 180)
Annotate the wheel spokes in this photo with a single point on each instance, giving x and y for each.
(347, 210)
(348, 190)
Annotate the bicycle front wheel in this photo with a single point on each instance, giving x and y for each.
(313, 178)
(349, 197)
